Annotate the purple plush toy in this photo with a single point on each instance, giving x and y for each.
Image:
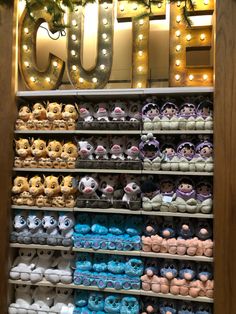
(204, 120)
(150, 152)
(186, 152)
(187, 116)
(169, 113)
(186, 196)
(203, 160)
(150, 116)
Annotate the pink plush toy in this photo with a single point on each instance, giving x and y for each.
(117, 148)
(101, 112)
(132, 150)
(118, 111)
(101, 148)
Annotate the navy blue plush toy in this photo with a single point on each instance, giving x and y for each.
(81, 298)
(187, 270)
(204, 272)
(129, 305)
(134, 226)
(100, 224)
(168, 228)
(203, 309)
(96, 301)
(83, 223)
(112, 304)
(185, 229)
(100, 263)
(117, 264)
(168, 306)
(134, 267)
(186, 308)
(169, 269)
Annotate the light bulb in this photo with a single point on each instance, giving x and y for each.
(73, 52)
(177, 77)
(73, 37)
(105, 5)
(48, 79)
(139, 85)
(159, 5)
(135, 6)
(178, 33)
(102, 66)
(188, 37)
(178, 3)
(81, 80)
(178, 18)
(140, 53)
(94, 79)
(140, 68)
(141, 22)
(74, 67)
(104, 52)
(140, 37)
(177, 62)
(206, 2)
(191, 77)
(26, 30)
(32, 79)
(105, 22)
(74, 23)
(122, 8)
(202, 36)
(25, 47)
(45, 9)
(26, 63)
(55, 64)
(104, 36)
(178, 47)
(205, 77)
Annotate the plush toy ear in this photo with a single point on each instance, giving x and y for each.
(75, 182)
(60, 178)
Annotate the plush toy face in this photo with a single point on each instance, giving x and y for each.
(39, 148)
(168, 229)
(150, 111)
(100, 110)
(149, 188)
(117, 264)
(203, 230)
(24, 113)
(185, 187)
(100, 263)
(206, 151)
(169, 151)
(117, 145)
(96, 301)
(67, 186)
(187, 150)
(118, 110)
(107, 183)
(27, 254)
(62, 294)
(188, 110)
(68, 255)
(187, 271)
(84, 262)
(45, 254)
(34, 221)
(132, 149)
(81, 298)
(167, 186)
(54, 111)
(204, 272)
(36, 186)
(169, 269)
(87, 185)
(205, 108)
(66, 221)
(149, 147)
(134, 267)
(112, 304)
(39, 112)
(54, 149)
(20, 185)
(70, 112)
(129, 305)
(69, 150)
(151, 267)
(204, 189)
(132, 188)
(20, 221)
(85, 110)
(168, 307)
(169, 110)
(85, 149)
(186, 308)
(186, 229)
(51, 186)
(101, 146)
(50, 220)
(23, 148)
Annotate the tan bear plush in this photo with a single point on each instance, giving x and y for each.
(38, 149)
(70, 115)
(24, 115)
(52, 190)
(69, 155)
(54, 151)
(36, 189)
(21, 190)
(54, 112)
(39, 115)
(68, 191)
(23, 150)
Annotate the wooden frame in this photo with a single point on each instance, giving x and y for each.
(225, 147)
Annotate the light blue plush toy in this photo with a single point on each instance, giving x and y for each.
(81, 298)
(168, 306)
(83, 223)
(112, 304)
(134, 225)
(203, 309)
(187, 270)
(134, 267)
(83, 262)
(100, 263)
(204, 272)
(116, 264)
(100, 224)
(129, 305)
(116, 225)
(169, 269)
(96, 302)
(186, 308)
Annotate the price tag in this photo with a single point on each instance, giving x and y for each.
(167, 199)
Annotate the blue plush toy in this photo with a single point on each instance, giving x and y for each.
(83, 223)
(168, 228)
(117, 264)
(134, 267)
(100, 263)
(203, 309)
(100, 224)
(81, 298)
(186, 308)
(150, 227)
(187, 270)
(129, 305)
(168, 306)
(116, 225)
(150, 305)
(96, 301)
(169, 269)
(185, 229)
(112, 304)
(204, 272)
(83, 262)
(134, 226)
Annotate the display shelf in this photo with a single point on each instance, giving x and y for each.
(170, 214)
(177, 173)
(39, 246)
(61, 209)
(45, 283)
(109, 211)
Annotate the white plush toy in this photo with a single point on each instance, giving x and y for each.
(43, 299)
(50, 224)
(64, 271)
(101, 112)
(23, 297)
(42, 262)
(66, 224)
(117, 148)
(85, 150)
(34, 222)
(85, 112)
(63, 298)
(22, 265)
(131, 189)
(88, 186)
(101, 148)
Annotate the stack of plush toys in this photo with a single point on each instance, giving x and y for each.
(41, 191)
(114, 233)
(105, 271)
(185, 156)
(164, 306)
(42, 154)
(178, 278)
(181, 195)
(47, 116)
(169, 116)
(174, 236)
(100, 303)
(37, 265)
(38, 227)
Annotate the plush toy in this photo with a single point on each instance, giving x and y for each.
(85, 150)
(20, 190)
(36, 190)
(203, 160)
(52, 189)
(101, 112)
(204, 272)
(86, 112)
(100, 263)
(186, 152)
(151, 197)
(70, 114)
(62, 268)
(203, 309)
(204, 120)
(151, 228)
(63, 298)
(81, 298)
(54, 111)
(186, 196)
(39, 112)
(100, 224)
(150, 152)
(151, 269)
(66, 223)
(116, 225)
(132, 192)
(101, 149)
(88, 187)
(170, 159)
(185, 237)
(41, 263)
(84, 262)
(187, 116)
(54, 150)
(169, 116)
(39, 151)
(186, 308)
(23, 150)
(20, 125)
(22, 265)
(96, 302)
(21, 231)
(107, 185)
(204, 234)
(112, 304)
(69, 155)
(116, 264)
(23, 299)
(129, 305)
(150, 116)
(134, 113)
(43, 298)
(168, 195)
(168, 307)
(34, 222)
(83, 223)
(24, 113)
(50, 224)
(68, 191)
(204, 197)
(150, 306)
(117, 148)
(118, 111)
(169, 269)
(132, 150)
(187, 270)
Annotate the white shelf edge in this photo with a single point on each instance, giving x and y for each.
(62, 209)
(39, 246)
(114, 92)
(178, 173)
(122, 291)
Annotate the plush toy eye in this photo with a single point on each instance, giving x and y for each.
(67, 222)
(82, 186)
(93, 185)
(52, 221)
(89, 147)
(22, 221)
(36, 222)
(19, 184)
(22, 254)
(49, 253)
(70, 185)
(71, 110)
(69, 151)
(53, 186)
(57, 149)
(37, 185)
(55, 110)
(134, 186)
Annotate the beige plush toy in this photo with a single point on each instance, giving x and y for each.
(38, 149)
(24, 115)
(69, 155)
(21, 190)
(59, 125)
(36, 189)
(54, 112)
(54, 150)
(39, 115)
(23, 150)
(70, 115)
(68, 191)
(52, 190)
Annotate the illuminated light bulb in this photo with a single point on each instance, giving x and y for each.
(32, 79)
(74, 67)
(140, 37)
(139, 85)
(105, 5)
(140, 68)
(74, 23)
(159, 5)
(140, 53)
(81, 80)
(76, 9)
(94, 79)
(191, 77)
(25, 47)
(178, 47)
(73, 37)
(104, 36)
(73, 52)
(105, 22)
(177, 33)
(26, 30)
(202, 36)
(177, 62)
(178, 3)
(188, 37)
(141, 22)
(206, 2)
(26, 63)
(55, 64)
(205, 77)
(48, 79)
(177, 77)
(102, 66)
(122, 8)
(178, 18)
(135, 6)
(104, 52)
(45, 8)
